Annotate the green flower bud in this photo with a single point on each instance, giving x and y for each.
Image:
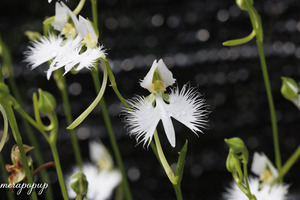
(244, 4)
(289, 88)
(231, 163)
(46, 102)
(4, 91)
(79, 184)
(238, 148)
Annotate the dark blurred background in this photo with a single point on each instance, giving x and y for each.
(188, 35)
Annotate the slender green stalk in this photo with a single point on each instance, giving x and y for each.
(291, 161)
(59, 171)
(18, 139)
(178, 193)
(163, 160)
(271, 104)
(112, 135)
(62, 85)
(9, 193)
(52, 143)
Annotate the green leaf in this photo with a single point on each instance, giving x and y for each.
(181, 162)
(241, 40)
(5, 131)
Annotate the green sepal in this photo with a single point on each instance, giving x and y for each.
(238, 148)
(241, 40)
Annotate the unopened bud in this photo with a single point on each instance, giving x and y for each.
(238, 147)
(289, 88)
(46, 102)
(79, 184)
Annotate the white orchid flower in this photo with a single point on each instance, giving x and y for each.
(101, 183)
(100, 155)
(268, 192)
(102, 177)
(185, 106)
(76, 51)
(262, 167)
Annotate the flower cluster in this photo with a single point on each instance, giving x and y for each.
(75, 47)
(186, 106)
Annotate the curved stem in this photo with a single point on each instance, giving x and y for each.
(271, 105)
(62, 86)
(93, 104)
(79, 7)
(5, 130)
(113, 83)
(112, 135)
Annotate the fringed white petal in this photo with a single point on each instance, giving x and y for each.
(268, 192)
(43, 50)
(165, 73)
(142, 119)
(189, 108)
(260, 163)
(186, 106)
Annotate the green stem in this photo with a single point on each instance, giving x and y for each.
(52, 143)
(9, 193)
(271, 104)
(79, 7)
(163, 160)
(177, 189)
(24, 115)
(95, 13)
(291, 161)
(246, 177)
(62, 85)
(112, 135)
(59, 171)
(18, 139)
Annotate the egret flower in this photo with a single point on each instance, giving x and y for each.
(268, 192)
(262, 167)
(264, 187)
(78, 48)
(101, 176)
(186, 106)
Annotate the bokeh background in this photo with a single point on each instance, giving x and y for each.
(188, 35)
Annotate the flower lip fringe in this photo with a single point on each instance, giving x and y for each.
(186, 106)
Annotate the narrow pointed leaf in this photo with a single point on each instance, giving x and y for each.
(5, 131)
(181, 162)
